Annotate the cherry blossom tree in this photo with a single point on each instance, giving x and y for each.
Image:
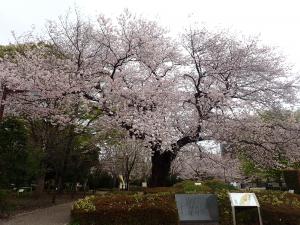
(166, 92)
(270, 139)
(41, 85)
(136, 64)
(37, 83)
(223, 79)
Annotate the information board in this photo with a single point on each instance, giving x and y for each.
(197, 208)
(243, 199)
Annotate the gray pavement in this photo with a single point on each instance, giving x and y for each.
(54, 215)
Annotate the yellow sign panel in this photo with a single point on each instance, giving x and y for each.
(243, 199)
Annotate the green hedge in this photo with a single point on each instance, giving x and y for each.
(156, 206)
(292, 179)
(154, 209)
(5, 206)
(209, 186)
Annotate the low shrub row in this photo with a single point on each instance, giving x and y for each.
(209, 186)
(151, 209)
(5, 206)
(157, 207)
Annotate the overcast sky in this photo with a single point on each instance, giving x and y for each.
(276, 21)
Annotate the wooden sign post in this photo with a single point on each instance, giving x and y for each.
(244, 200)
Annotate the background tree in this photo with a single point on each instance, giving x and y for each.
(19, 159)
(127, 157)
(198, 162)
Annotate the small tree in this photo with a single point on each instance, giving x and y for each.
(128, 157)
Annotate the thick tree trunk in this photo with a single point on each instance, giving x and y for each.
(3, 98)
(55, 192)
(127, 182)
(40, 184)
(162, 160)
(67, 152)
(161, 165)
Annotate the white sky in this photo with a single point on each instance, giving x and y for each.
(276, 21)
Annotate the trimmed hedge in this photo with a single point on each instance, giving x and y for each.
(209, 186)
(5, 206)
(216, 185)
(292, 179)
(149, 209)
(155, 190)
(157, 207)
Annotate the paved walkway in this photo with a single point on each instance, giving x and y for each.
(54, 215)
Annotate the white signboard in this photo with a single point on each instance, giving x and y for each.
(243, 199)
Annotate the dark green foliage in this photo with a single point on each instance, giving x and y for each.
(275, 115)
(3, 198)
(251, 169)
(67, 156)
(10, 50)
(5, 206)
(292, 179)
(217, 185)
(173, 179)
(248, 167)
(14, 154)
(190, 187)
(30, 150)
(209, 186)
(100, 180)
(82, 157)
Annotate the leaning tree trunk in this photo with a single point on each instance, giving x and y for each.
(161, 166)
(162, 160)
